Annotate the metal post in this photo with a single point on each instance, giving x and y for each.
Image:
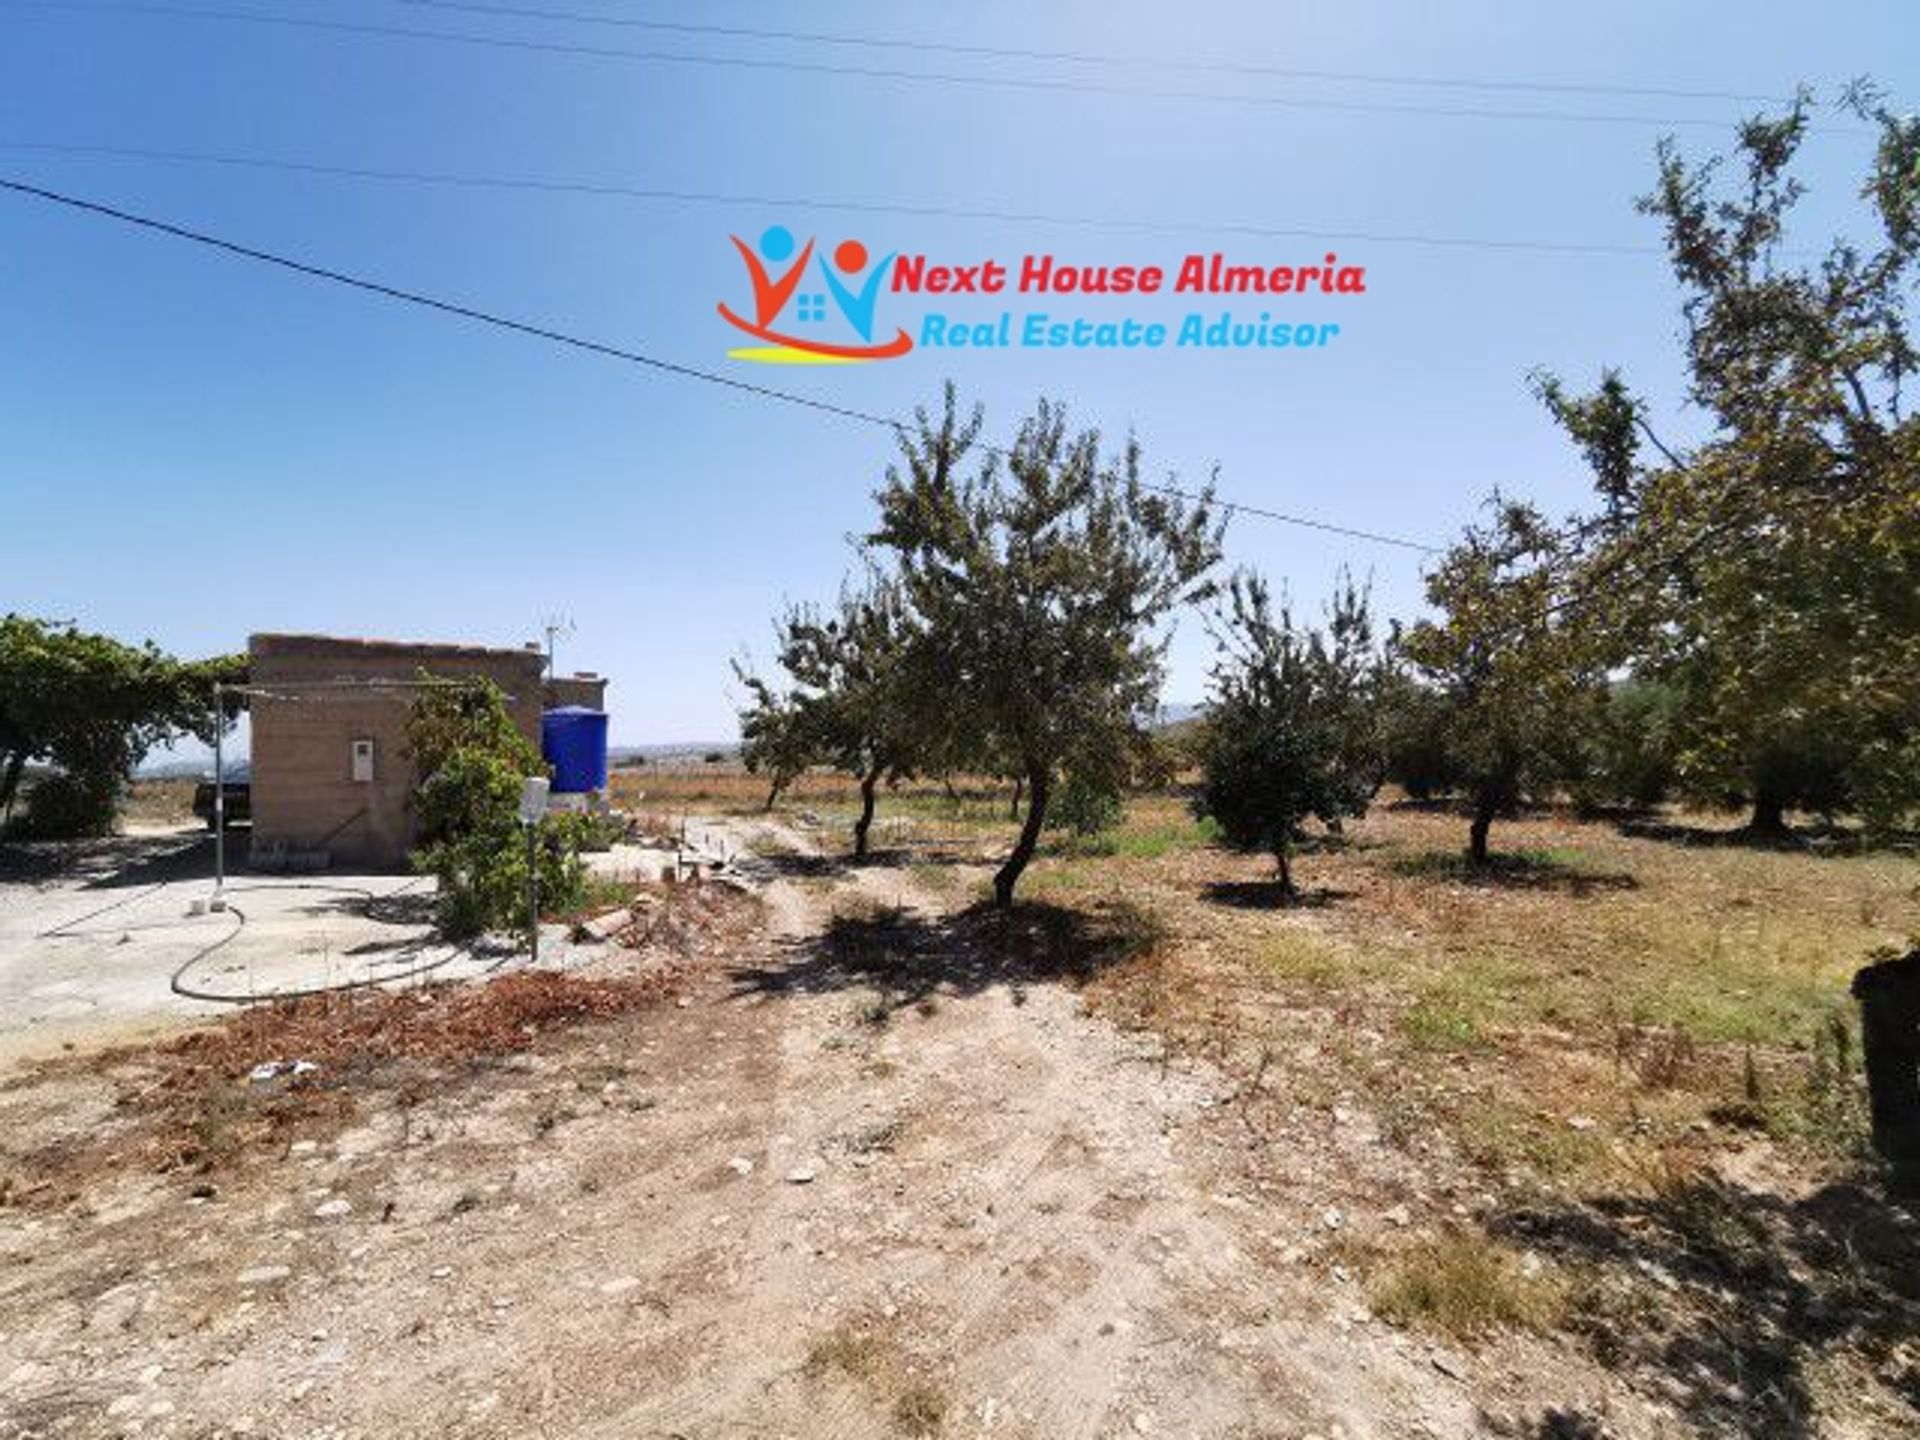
(533, 888)
(219, 797)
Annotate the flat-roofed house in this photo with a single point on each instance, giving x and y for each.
(330, 773)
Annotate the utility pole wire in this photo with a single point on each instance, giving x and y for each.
(867, 72)
(899, 428)
(615, 190)
(1084, 57)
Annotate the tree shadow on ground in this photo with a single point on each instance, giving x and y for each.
(911, 958)
(806, 867)
(116, 861)
(1525, 871)
(1733, 1296)
(1267, 895)
(1823, 839)
(1553, 1423)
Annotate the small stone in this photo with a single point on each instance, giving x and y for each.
(800, 1175)
(303, 1147)
(265, 1275)
(1582, 1122)
(620, 1285)
(440, 1272)
(1142, 1423)
(1332, 1219)
(333, 1209)
(740, 1165)
(1399, 1215)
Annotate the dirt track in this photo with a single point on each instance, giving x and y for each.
(786, 1204)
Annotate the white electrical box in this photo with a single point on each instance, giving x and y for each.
(363, 761)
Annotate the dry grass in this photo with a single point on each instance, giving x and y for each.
(1631, 986)
(1467, 1286)
(870, 1355)
(159, 802)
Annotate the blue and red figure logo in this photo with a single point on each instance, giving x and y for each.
(853, 284)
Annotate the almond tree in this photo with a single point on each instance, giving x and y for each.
(846, 703)
(1771, 572)
(1293, 730)
(1517, 677)
(1040, 579)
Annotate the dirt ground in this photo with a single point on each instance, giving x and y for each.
(852, 1173)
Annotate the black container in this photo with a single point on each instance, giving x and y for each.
(1889, 996)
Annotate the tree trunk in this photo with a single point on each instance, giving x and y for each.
(1287, 893)
(10, 783)
(1009, 874)
(1486, 804)
(865, 823)
(773, 794)
(1013, 810)
(1769, 815)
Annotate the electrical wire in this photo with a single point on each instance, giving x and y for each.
(1084, 57)
(635, 357)
(786, 202)
(1029, 84)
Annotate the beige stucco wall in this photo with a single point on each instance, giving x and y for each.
(305, 799)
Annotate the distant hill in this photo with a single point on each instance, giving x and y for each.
(1172, 715)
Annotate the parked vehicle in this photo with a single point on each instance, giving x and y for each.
(239, 800)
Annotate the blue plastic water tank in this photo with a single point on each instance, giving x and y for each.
(574, 741)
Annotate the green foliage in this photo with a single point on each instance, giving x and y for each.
(1413, 720)
(1629, 754)
(848, 701)
(452, 716)
(68, 806)
(1292, 730)
(1886, 784)
(1085, 808)
(1039, 583)
(775, 740)
(1771, 573)
(1518, 682)
(93, 707)
(472, 761)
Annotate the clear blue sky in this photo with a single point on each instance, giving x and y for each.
(193, 447)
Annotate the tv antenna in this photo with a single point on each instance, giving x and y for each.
(556, 627)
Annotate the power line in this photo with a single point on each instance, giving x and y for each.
(1084, 57)
(616, 190)
(868, 72)
(616, 352)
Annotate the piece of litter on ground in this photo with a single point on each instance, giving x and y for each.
(1447, 1365)
(800, 1175)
